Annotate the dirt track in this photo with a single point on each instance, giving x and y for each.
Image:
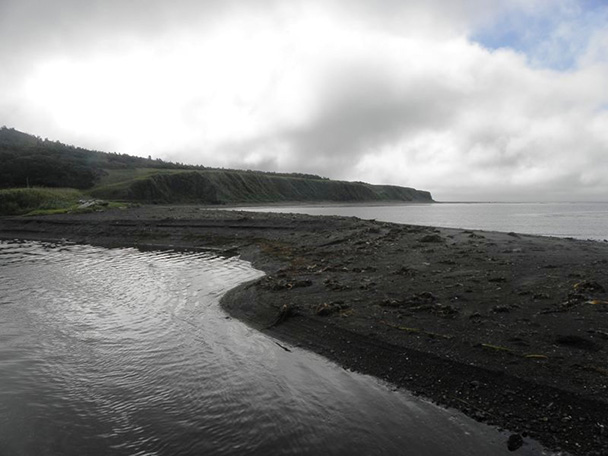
(510, 329)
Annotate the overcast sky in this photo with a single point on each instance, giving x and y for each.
(469, 99)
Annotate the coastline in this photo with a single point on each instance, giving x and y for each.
(510, 329)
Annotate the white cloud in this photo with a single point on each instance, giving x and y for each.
(391, 92)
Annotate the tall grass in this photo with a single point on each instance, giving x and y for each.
(18, 201)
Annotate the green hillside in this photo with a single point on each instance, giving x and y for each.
(225, 187)
(28, 161)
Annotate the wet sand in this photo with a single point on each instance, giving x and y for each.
(510, 329)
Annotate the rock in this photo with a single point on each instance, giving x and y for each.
(589, 287)
(326, 309)
(515, 442)
(301, 283)
(405, 271)
(390, 303)
(431, 238)
(574, 341)
(501, 309)
(497, 279)
(426, 297)
(540, 296)
(442, 310)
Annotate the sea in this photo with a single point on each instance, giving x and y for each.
(579, 220)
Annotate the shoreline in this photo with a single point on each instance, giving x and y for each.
(510, 329)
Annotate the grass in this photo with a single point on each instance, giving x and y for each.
(46, 201)
(121, 176)
(19, 201)
(213, 186)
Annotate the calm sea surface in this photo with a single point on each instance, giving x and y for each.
(577, 220)
(123, 352)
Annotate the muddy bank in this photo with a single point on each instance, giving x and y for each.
(510, 329)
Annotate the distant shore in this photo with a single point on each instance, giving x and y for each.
(511, 329)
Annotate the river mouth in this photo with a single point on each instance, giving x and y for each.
(119, 351)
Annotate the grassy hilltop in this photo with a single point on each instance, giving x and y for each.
(62, 174)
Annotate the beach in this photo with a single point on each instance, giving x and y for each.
(511, 329)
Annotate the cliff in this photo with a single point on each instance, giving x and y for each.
(32, 161)
(227, 187)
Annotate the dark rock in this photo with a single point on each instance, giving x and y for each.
(575, 341)
(442, 310)
(515, 442)
(325, 309)
(539, 296)
(497, 279)
(407, 272)
(390, 303)
(334, 285)
(431, 238)
(426, 297)
(501, 309)
(301, 283)
(589, 287)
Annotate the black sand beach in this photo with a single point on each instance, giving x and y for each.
(511, 329)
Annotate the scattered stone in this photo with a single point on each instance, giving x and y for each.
(301, 283)
(501, 309)
(270, 283)
(444, 310)
(326, 309)
(405, 271)
(390, 303)
(334, 285)
(366, 269)
(497, 279)
(285, 312)
(426, 297)
(600, 333)
(589, 287)
(540, 296)
(431, 238)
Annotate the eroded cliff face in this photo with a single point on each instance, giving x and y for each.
(30, 161)
(225, 187)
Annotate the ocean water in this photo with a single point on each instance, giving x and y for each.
(576, 220)
(123, 352)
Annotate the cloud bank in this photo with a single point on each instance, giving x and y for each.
(451, 97)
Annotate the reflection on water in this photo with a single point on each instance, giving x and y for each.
(127, 352)
(577, 220)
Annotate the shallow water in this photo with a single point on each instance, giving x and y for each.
(126, 352)
(577, 220)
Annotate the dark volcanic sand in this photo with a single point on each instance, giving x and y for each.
(510, 329)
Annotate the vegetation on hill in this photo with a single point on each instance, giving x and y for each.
(17, 201)
(226, 187)
(28, 161)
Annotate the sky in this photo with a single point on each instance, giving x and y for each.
(473, 100)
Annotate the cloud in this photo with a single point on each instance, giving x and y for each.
(384, 91)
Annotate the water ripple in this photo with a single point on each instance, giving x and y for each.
(127, 352)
